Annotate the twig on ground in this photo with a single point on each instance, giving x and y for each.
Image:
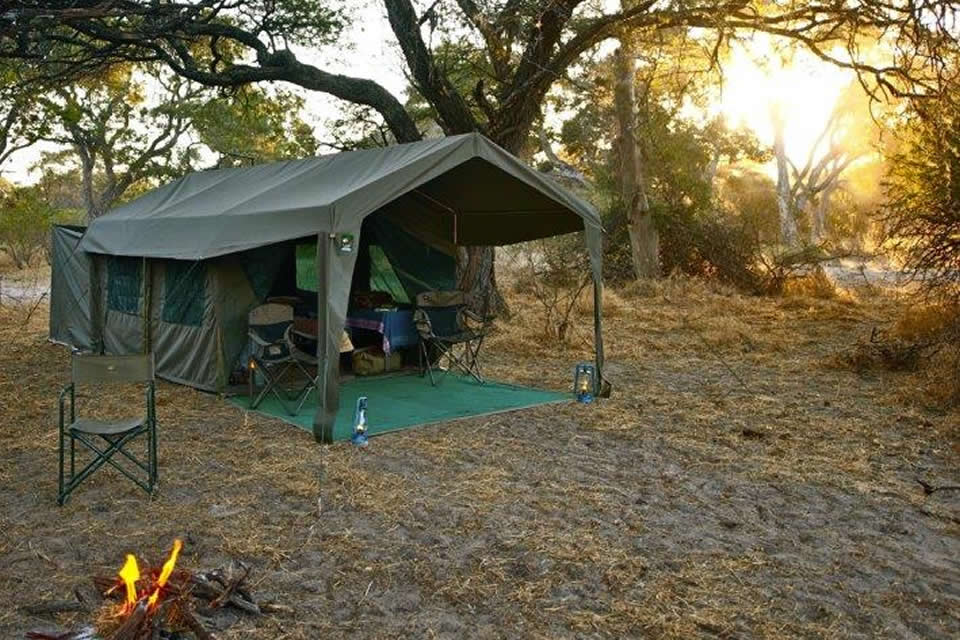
(57, 606)
(929, 489)
(26, 320)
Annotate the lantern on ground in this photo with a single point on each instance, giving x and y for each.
(584, 382)
(359, 436)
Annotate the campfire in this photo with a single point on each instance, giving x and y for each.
(162, 602)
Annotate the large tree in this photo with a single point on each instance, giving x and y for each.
(112, 132)
(805, 191)
(133, 126)
(527, 46)
(22, 124)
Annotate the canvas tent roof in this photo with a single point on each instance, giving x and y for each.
(459, 187)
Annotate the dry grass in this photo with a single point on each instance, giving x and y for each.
(733, 486)
(926, 322)
(923, 340)
(816, 284)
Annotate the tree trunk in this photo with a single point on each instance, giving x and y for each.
(644, 238)
(818, 216)
(789, 235)
(476, 274)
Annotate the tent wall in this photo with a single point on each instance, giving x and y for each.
(233, 298)
(69, 289)
(120, 283)
(186, 350)
(197, 310)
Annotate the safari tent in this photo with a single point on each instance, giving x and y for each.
(177, 270)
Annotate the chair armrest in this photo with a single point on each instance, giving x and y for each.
(423, 324)
(63, 393)
(258, 340)
(476, 317)
(477, 323)
(302, 334)
(295, 351)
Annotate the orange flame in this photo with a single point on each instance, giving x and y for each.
(130, 573)
(165, 572)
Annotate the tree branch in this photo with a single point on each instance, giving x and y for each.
(431, 82)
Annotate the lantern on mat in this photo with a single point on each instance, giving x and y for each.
(584, 382)
(359, 436)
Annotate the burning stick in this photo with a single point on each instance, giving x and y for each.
(132, 627)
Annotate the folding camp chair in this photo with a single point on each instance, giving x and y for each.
(442, 320)
(274, 353)
(116, 434)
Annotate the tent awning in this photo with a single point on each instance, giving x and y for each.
(462, 187)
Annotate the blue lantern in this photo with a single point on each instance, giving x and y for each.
(359, 437)
(584, 382)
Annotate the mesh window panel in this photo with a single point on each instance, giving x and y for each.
(123, 284)
(261, 266)
(307, 267)
(383, 277)
(184, 288)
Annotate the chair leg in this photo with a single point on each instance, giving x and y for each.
(426, 367)
(313, 383)
(464, 362)
(105, 456)
(270, 386)
(433, 382)
(474, 354)
(152, 443)
(60, 496)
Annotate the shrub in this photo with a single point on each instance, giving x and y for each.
(712, 246)
(921, 215)
(555, 271)
(925, 340)
(24, 224)
(815, 284)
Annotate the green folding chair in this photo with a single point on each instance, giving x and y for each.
(445, 322)
(108, 439)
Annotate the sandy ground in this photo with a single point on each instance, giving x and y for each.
(23, 287)
(737, 485)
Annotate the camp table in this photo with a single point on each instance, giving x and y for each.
(395, 325)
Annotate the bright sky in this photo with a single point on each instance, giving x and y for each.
(756, 78)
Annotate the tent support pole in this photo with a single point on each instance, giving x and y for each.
(147, 302)
(602, 387)
(96, 303)
(323, 419)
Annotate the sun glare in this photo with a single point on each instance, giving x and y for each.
(757, 77)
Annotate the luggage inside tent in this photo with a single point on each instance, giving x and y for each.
(177, 270)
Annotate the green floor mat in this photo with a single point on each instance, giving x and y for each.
(401, 401)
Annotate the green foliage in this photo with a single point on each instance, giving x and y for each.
(704, 231)
(25, 221)
(301, 22)
(122, 133)
(249, 126)
(751, 196)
